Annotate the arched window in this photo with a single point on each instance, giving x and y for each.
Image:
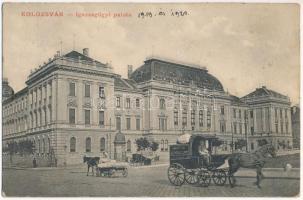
(162, 145)
(129, 146)
(166, 145)
(43, 146)
(72, 144)
(39, 147)
(102, 144)
(48, 145)
(88, 145)
(34, 145)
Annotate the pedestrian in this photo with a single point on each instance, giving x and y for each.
(34, 163)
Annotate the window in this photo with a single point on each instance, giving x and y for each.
(208, 118)
(222, 110)
(201, 118)
(72, 116)
(137, 103)
(39, 146)
(252, 130)
(128, 146)
(251, 114)
(277, 128)
(118, 123)
(245, 128)
(101, 92)
(72, 89)
(252, 146)
(162, 145)
(101, 118)
(176, 119)
(235, 127)
(235, 113)
(43, 146)
(138, 124)
(118, 102)
(162, 103)
(127, 123)
(193, 117)
(184, 117)
(282, 131)
(166, 145)
(286, 124)
(162, 123)
(240, 128)
(88, 145)
(49, 145)
(240, 114)
(281, 114)
(87, 90)
(222, 126)
(102, 144)
(87, 116)
(72, 144)
(128, 103)
(245, 115)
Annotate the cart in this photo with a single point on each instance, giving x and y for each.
(188, 166)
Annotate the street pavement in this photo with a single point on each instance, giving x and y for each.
(140, 182)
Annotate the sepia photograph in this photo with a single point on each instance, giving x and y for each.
(150, 99)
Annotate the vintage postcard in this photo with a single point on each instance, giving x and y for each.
(151, 100)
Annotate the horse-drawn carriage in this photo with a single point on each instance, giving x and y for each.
(188, 165)
(112, 168)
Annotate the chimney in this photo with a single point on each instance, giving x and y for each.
(86, 52)
(129, 70)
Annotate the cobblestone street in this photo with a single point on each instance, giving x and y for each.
(151, 181)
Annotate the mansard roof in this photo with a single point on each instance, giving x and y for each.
(176, 73)
(264, 92)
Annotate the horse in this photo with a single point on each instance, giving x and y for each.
(254, 160)
(91, 163)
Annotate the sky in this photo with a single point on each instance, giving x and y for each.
(245, 46)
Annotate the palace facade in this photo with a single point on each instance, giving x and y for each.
(74, 105)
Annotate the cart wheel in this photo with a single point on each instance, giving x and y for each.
(219, 177)
(191, 176)
(204, 178)
(232, 180)
(125, 172)
(176, 174)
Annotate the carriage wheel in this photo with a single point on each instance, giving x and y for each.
(204, 178)
(125, 172)
(176, 174)
(231, 180)
(219, 177)
(191, 176)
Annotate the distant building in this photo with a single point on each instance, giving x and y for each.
(7, 90)
(75, 106)
(295, 120)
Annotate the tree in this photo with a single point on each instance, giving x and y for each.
(262, 142)
(217, 143)
(154, 146)
(240, 143)
(143, 143)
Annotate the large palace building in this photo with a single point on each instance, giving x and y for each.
(74, 105)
